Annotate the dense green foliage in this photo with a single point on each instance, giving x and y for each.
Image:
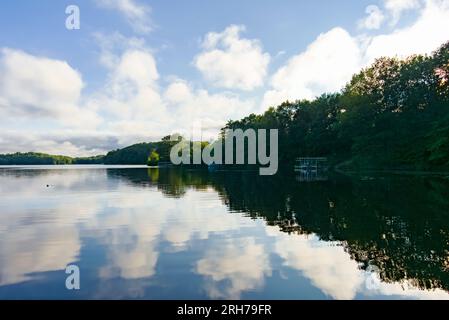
(139, 154)
(153, 159)
(89, 160)
(135, 154)
(32, 158)
(393, 114)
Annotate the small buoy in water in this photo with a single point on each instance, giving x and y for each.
(48, 186)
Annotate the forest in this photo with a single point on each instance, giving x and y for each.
(138, 154)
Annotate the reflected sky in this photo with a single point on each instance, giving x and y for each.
(153, 234)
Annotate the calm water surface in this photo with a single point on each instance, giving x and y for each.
(139, 233)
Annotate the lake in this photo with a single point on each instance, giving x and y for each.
(147, 233)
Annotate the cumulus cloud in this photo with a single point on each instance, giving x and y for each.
(211, 111)
(232, 62)
(374, 19)
(426, 34)
(44, 93)
(112, 44)
(331, 60)
(135, 102)
(138, 104)
(326, 64)
(132, 90)
(397, 7)
(137, 14)
(66, 142)
(33, 87)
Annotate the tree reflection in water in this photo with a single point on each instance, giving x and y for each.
(396, 225)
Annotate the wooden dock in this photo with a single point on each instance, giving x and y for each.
(311, 169)
(310, 164)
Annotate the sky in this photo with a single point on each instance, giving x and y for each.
(138, 70)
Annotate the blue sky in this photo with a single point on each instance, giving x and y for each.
(38, 27)
(137, 70)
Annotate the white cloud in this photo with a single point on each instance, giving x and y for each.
(397, 7)
(138, 67)
(62, 141)
(137, 15)
(331, 60)
(211, 111)
(422, 37)
(325, 66)
(21, 71)
(131, 100)
(374, 19)
(136, 104)
(110, 45)
(35, 87)
(232, 62)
